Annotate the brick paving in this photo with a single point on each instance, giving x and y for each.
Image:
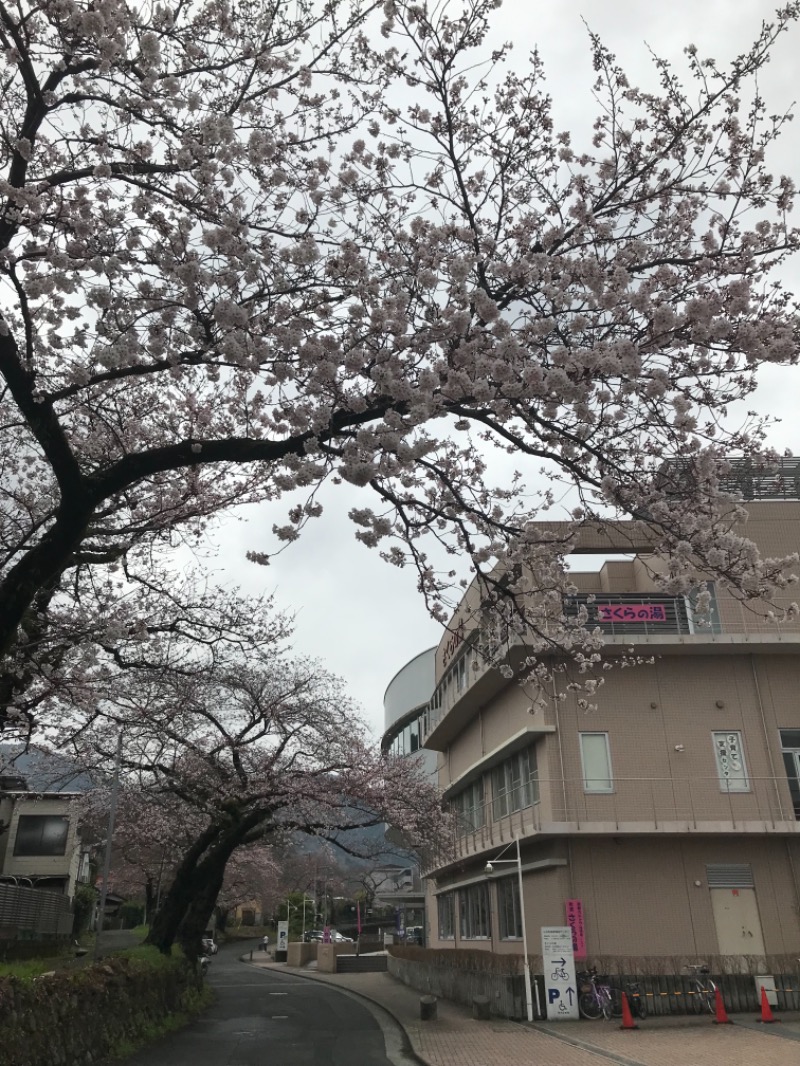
(456, 1039)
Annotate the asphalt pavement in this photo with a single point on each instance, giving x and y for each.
(265, 1015)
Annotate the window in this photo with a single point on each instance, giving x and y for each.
(515, 783)
(446, 905)
(469, 808)
(414, 736)
(473, 906)
(730, 761)
(790, 749)
(461, 672)
(41, 834)
(596, 759)
(508, 908)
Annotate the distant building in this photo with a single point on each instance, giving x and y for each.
(41, 857)
(406, 702)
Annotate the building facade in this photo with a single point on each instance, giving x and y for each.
(406, 704)
(665, 820)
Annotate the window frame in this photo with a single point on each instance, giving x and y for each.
(508, 904)
(590, 784)
(475, 912)
(37, 850)
(514, 783)
(446, 909)
(470, 807)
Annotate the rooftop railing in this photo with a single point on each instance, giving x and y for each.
(778, 479)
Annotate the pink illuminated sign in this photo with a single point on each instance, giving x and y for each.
(575, 922)
(631, 612)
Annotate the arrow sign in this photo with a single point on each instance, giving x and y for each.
(559, 973)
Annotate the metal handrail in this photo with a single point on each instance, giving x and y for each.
(674, 804)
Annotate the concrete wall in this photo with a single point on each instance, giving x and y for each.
(660, 718)
(300, 954)
(327, 953)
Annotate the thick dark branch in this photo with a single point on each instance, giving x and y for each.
(40, 417)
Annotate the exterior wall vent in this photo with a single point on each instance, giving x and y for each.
(730, 875)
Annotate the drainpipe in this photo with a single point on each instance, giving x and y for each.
(109, 837)
(766, 735)
(560, 748)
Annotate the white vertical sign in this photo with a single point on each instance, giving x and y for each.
(561, 989)
(283, 937)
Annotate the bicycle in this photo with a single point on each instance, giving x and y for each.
(637, 1000)
(596, 997)
(703, 992)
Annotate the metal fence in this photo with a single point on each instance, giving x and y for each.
(33, 914)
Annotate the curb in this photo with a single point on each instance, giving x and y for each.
(409, 1049)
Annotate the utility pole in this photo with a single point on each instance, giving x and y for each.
(112, 813)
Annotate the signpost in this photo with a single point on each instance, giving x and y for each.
(282, 944)
(561, 989)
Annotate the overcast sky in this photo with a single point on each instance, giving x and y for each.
(362, 617)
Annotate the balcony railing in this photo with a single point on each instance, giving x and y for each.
(634, 806)
(641, 614)
(659, 616)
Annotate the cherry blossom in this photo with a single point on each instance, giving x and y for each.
(248, 250)
(223, 756)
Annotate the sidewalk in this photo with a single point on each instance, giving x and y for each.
(456, 1039)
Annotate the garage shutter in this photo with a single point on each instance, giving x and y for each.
(730, 875)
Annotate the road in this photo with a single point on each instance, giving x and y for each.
(267, 1015)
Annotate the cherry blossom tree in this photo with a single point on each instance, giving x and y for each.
(238, 754)
(248, 249)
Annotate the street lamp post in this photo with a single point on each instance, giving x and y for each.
(526, 966)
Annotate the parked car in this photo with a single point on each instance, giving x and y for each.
(210, 946)
(318, 935)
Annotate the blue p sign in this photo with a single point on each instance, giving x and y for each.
(553, 994)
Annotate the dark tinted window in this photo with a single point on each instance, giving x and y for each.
(41, 834)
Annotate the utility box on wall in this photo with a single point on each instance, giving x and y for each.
(767, 982)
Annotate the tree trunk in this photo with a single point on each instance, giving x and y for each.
(210, 874)
(189, 903)
(176, 902)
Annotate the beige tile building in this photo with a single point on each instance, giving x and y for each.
(666, 818)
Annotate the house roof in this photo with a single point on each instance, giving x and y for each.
(40, 770)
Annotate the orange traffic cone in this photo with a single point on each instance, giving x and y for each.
(627, 1017)
(722, 1015)
(766, 1010)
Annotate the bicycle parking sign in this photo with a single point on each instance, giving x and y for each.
(561, 989)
